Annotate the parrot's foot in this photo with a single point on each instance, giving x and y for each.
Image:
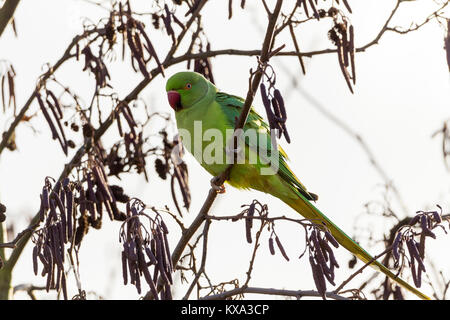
(218, 189)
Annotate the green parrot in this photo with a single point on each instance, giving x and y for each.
(200, 107)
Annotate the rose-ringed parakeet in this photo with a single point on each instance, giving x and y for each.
(202, 110)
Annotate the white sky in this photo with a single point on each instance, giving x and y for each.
(401, 99)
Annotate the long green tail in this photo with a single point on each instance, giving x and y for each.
(309, 211)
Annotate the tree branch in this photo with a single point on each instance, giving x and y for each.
(271, 291)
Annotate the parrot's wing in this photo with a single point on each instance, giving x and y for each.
(232, 107)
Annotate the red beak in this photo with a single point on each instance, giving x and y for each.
(174, 100)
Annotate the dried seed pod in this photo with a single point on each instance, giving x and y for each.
(55, 103)
(62, 137)
(137, 282)
(331, 239)
(297, 48)
(249, 222)
(35, 257)
(316, 13)
(124, 268)
(277, 95)
(167, 262)
(69, 212)
(319, 278)
(347, 6)
(132, 251)
(318, 251)
(424, 223)
(45, 264)
(102, 184)
(398, 293)
(47, 116)
(150, 48)
(341, 54)
(64, 285)
(41, 210)
(266, 103)
(351, 50)
(168, 255)
(414, 274)
(326, 248)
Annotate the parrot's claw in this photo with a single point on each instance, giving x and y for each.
(218, 189)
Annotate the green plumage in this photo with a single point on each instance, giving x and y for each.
(202, 106)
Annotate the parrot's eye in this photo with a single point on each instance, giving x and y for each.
(188, 86)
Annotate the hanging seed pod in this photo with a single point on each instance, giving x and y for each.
(297, 48)
(41, 210)
(414, 220)
(161, 260)
(64, 285)
(437, 217)
(347, 6)
(316, 14)
(61, 137)
(124, 268)
(167, 263)
(249, 222)
(69, 213)
(151, 256)
(150, 48)
(398, 293)
(270, 116)
(424, 222)
(318, 252)
(271, 247)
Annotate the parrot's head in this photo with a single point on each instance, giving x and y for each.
(185, 88)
